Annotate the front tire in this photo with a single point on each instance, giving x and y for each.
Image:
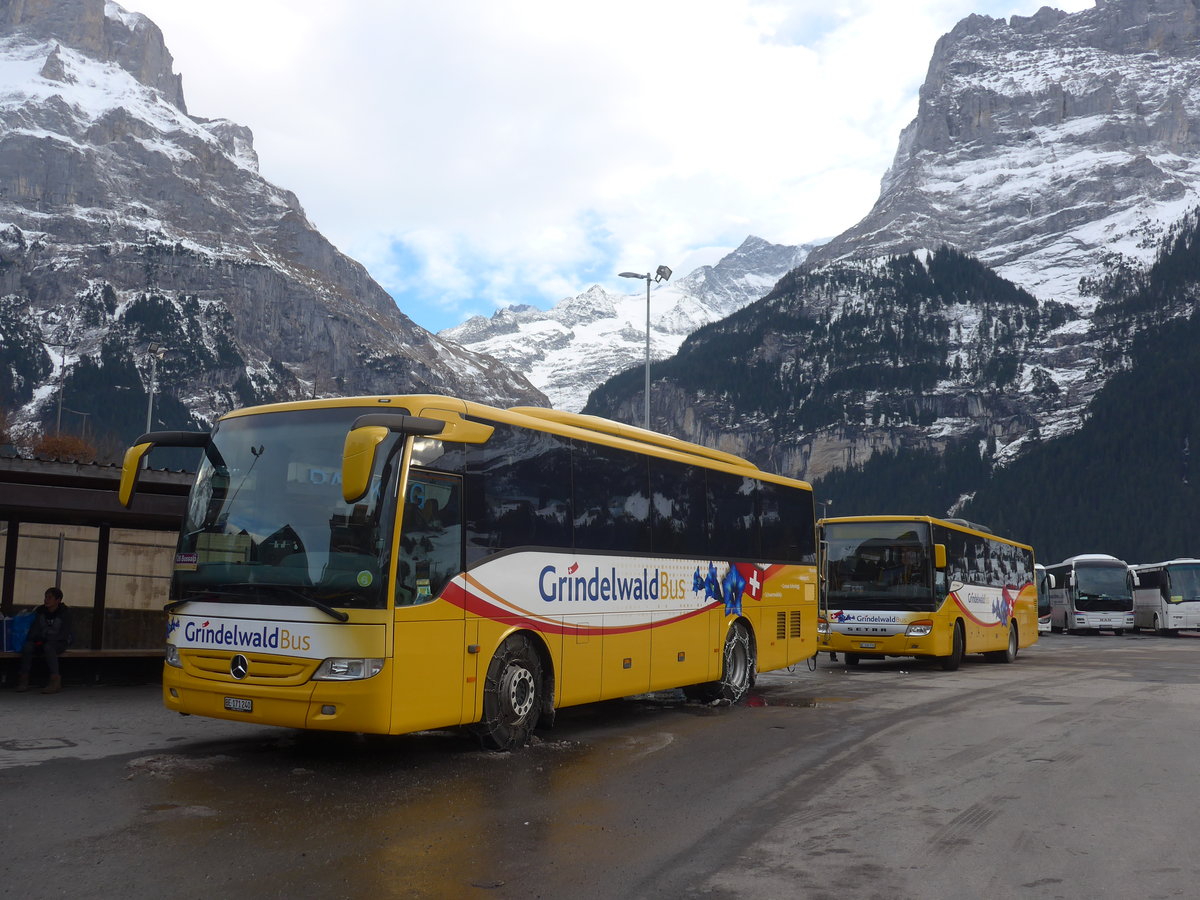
(512, 695)
(739, 668)
(957, 650)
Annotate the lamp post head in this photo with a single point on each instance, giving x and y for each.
(635, 275)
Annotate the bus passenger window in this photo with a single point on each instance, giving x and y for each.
(431, 537)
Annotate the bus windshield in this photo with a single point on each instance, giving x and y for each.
(1184, 583)
(879, 565)
(266, 522)
(1102, 588)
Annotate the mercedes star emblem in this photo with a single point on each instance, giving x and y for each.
(238, 667)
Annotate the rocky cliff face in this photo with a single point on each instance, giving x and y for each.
(125, 221)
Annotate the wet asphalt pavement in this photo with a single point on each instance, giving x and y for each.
(1066, 774)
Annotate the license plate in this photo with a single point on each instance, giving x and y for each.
(238, 704)
(866, 645)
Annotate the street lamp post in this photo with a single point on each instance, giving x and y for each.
(662, 273)
(156, 352)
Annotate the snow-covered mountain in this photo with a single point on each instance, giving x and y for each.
(582, 341)
(124, 221)
(1052, 147)
(1060, 150)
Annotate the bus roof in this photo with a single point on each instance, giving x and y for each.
(590, 428)
(1180, 561)
(1101, 558)
(956, 524)
(630, 432)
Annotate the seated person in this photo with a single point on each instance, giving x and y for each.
(50, 635)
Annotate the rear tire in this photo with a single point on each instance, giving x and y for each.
(512, 695)
(958, 650)
(851, 659)
(1009, 653)
(738, 670)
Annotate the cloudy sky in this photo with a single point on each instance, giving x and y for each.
(477, 153)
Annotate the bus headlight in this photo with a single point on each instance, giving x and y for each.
(822, 627)
(918, 629)
(172, 656)
(347, 669)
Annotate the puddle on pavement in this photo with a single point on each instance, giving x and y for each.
(37, 744)
(796, 702)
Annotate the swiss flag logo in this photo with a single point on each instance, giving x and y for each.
(754, 580)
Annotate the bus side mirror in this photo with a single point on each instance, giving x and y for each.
(130, 468)
(358, 461)
(1050, 582)
(132, 464)
(365, 436)
(939, 556)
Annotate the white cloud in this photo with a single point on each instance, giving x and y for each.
(519, 151)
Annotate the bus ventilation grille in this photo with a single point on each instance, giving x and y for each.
(795, 630)
(781, 631)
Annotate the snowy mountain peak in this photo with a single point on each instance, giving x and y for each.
(1049, 146)
(101, 30)
(568, 350)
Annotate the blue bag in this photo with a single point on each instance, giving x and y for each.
(18, 629)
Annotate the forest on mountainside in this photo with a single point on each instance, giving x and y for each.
(1121, 484)
(807, 354)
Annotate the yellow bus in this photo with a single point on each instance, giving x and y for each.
(920, 586)
(398, 563)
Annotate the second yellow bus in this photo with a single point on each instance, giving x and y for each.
(920, 586)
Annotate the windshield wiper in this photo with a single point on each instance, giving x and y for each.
(249, 588)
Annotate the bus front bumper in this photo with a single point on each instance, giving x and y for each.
(883, 645)
(1101, 621)
(356, 706)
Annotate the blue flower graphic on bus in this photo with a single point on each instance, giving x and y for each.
(733, 586)
(727, 590)
(1002, 606)
(710, 584)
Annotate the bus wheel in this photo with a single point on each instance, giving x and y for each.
(958, 648)
(1158, 629)
(1009, 653)
(851, 659)
(512, 695)
(738, 670)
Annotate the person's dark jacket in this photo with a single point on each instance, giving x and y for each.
(52, 628)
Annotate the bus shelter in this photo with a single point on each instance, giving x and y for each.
(61, 524)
